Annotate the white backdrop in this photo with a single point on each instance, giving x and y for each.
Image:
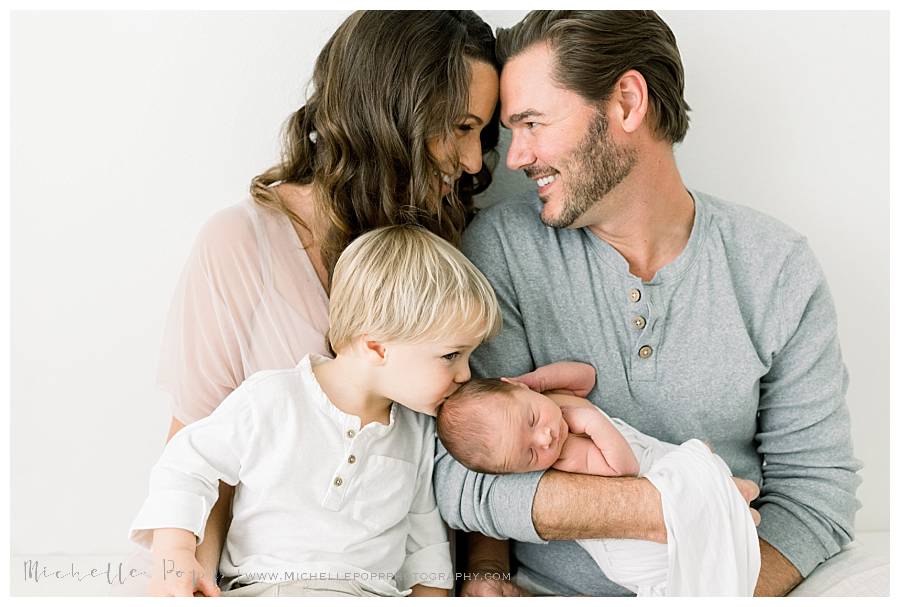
(130, 129)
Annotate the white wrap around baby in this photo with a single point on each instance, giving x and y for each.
(712, 547)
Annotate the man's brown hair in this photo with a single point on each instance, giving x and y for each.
(592, 49)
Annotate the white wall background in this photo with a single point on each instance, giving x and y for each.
(129, 129)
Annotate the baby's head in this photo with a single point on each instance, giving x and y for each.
(501, 426)
(410, 308)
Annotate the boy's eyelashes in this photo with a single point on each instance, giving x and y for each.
(451, 356)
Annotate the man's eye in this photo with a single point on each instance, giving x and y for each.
(451, 356)
(530, 125)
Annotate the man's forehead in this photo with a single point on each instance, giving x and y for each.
(524, 85)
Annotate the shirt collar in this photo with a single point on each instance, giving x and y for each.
(672, 270)
(321, 401)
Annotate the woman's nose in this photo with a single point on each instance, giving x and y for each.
(471, 158)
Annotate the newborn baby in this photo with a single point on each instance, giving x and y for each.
(500, 426)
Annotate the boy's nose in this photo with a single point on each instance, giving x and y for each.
(463, 375)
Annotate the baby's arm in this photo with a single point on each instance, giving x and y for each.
(570, 377)
(603, 452)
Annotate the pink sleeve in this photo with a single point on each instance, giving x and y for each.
(207, 332)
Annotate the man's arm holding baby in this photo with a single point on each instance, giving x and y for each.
(634, 511)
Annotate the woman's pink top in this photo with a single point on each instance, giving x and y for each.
(248, 299)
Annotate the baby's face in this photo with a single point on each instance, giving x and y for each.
(534, 433)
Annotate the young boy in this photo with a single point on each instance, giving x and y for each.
(501, 426)
(333, 477)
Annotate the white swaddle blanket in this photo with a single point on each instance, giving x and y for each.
(712, 547)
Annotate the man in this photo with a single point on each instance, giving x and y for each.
(703, 319)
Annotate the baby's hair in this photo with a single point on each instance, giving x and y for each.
(462, 423)
(404, 283)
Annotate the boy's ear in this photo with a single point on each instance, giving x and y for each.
(372, 350)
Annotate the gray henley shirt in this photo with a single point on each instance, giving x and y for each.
(734, 342)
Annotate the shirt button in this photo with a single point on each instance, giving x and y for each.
(351, 459)
(634, 295)
(639, 322)
(350, 433)
(338, 481)
(645, 352)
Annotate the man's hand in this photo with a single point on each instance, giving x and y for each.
(489, 586)
(749, 491)
(176, 571)
(567, 376)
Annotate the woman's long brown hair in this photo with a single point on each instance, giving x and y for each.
(383, 85)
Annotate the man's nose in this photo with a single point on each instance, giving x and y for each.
(519, 154)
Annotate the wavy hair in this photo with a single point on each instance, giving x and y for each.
(384, 84)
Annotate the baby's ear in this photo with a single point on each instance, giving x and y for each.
(514, 382)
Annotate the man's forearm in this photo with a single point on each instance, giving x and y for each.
(577, 506)
(777, 576)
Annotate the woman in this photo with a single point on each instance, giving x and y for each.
(403, 110)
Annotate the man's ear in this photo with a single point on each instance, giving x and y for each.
(632, 100)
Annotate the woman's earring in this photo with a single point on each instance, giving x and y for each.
(313, 136)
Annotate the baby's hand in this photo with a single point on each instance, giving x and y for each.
(580, 419)
(176, 571)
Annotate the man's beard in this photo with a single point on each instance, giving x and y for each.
(596, 166)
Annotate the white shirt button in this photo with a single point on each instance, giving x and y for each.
(351, 459)
(645, 352)
(634, 295)
(350, 433)
(638, 322)
(338, 481)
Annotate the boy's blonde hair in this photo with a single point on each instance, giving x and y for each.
(404, 283)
